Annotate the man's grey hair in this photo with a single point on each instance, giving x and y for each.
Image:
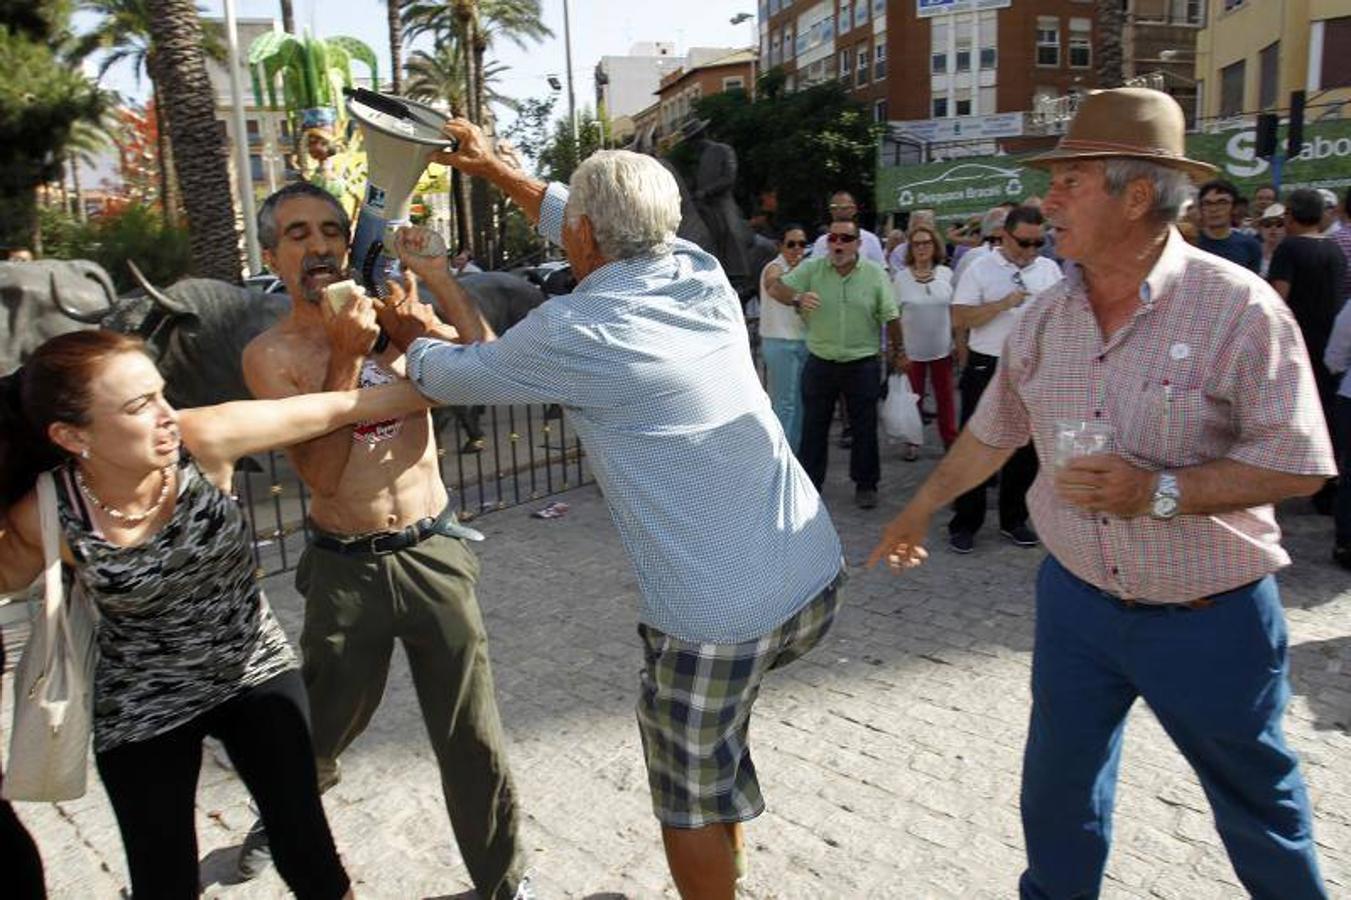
(632, 201)
(1172, 187)
(268, 235)
(992, 221)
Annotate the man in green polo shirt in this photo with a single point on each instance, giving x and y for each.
(844, 301)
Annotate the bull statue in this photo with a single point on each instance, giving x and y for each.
(196, 329)
(46, 298)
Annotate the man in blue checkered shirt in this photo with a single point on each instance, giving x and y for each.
(737, 560)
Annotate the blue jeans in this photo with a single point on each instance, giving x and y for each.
(783, 372)
(1215, 678)
(1342, 509)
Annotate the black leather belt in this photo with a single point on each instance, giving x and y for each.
(383, 542)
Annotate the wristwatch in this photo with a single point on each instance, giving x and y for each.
(1167, 497)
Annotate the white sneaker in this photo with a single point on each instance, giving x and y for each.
(525, 890)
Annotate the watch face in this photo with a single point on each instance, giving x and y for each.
(1165, 507)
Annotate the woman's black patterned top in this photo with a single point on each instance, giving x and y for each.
(183, 623)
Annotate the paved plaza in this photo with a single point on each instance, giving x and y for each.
(889, 757)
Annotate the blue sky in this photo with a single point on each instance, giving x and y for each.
(599, 28)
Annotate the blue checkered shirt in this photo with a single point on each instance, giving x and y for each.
(649, 355)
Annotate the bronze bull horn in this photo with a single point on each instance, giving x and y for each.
(162, 300)
(87, 318)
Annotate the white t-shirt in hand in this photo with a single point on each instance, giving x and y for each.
(992, 278)
(926, 314)
(869, 247)
(779, 320)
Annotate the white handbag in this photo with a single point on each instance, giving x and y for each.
(53, 683)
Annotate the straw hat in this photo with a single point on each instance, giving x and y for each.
(1128, 123)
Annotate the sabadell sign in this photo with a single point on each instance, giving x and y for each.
(973, 185)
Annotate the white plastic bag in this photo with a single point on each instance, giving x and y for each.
(53, 683)
(900, 411)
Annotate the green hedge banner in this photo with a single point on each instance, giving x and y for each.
(970, 186)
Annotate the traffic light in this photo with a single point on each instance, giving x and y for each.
(1266, 135)
(1294, 132)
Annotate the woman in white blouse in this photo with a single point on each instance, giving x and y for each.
(783, 337)
(924, 294)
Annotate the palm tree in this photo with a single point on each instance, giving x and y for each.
(471, 27)
(87, 140)
(393, 8)
(203, 163)
(123, 32)
(1111, 35)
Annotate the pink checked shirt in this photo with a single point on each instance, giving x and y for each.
(1211, 366)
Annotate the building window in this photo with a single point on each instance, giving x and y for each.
(801, 43)
(864, 61)
(963, 59)
(253, 131)
(774, 50)
(788, 42)
(1336, 67)
(860, 13)
(773, 6)
(846, 18)
(764, 9)
(1048, 41)
(879, 111)
(1270, 75)
(940, 107)
(879, 61)
(879, 8)
(1081, 44)
(256, 167)
(989, 58)
(964, 107)
(1231, 88)
(1193, 12)
(733, 83)
(940, 64)
(827, 28)
(1233, 4)
(846, 69)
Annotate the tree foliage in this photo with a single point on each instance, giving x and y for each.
(560, 157)
(136, 232)
(41, 99)
(801, 146)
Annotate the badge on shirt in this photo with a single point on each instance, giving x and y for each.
(372, 433)
(1179, 351)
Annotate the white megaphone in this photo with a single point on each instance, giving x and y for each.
(399, 136)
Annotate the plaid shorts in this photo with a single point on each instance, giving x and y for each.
(694, 713)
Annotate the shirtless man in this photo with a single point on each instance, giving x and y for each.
(386, 558)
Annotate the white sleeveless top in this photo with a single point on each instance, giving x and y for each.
(778, 320)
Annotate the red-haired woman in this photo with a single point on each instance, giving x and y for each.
(924, 295)
(188, 646)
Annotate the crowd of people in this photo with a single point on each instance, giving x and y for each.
(1162, 542)
(955, 319)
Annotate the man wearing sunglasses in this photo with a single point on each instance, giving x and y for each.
(844, 208)
(844, 301)
(990, 297)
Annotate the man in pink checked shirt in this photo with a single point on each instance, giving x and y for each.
(1159, 584)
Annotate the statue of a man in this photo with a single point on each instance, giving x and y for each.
(712, 185)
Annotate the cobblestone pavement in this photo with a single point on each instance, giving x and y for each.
(889, 756)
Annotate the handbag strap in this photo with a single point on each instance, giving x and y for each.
(54, 610)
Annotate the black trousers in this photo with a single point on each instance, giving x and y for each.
(20, 864)
(153, 788)
(859, 382)
(1016, 476)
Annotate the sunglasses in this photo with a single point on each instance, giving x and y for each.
(1028, 244)
(924, 243)
(844, 206)
(793, 245)
(841, 238)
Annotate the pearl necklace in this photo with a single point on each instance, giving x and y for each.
(117, 514)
